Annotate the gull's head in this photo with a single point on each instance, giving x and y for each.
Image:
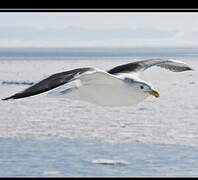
(142, 87)
(147, 89)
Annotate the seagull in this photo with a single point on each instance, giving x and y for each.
(119, 86)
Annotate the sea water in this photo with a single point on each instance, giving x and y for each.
(44, 137)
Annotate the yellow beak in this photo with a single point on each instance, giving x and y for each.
(154, 93)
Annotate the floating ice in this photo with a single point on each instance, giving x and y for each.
(110, 162)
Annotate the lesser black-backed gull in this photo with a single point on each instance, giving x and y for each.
(119, 86)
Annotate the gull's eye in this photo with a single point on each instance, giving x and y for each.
(141, 87)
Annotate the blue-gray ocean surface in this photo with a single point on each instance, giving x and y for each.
(48, 137)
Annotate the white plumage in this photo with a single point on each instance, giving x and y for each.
(120, 86)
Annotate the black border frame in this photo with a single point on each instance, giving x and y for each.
(98, 9)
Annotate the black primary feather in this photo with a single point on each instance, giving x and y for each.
(49, 83)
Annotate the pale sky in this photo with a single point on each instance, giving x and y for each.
(98, 29)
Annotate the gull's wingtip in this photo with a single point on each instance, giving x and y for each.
(191, 69)
(188, 68)
(7, 98)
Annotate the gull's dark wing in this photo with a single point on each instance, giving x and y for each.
(49, 83)
(169, 64)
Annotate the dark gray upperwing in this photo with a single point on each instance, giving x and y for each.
(172, 65)
(49, 83)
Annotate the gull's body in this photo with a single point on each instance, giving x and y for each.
(102, 89)
(120, 86)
